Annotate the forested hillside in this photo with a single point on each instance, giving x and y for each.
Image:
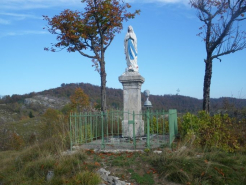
(115, 99)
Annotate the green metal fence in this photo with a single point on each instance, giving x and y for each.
(104, 130)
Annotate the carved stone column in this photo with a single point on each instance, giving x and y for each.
(132, 82)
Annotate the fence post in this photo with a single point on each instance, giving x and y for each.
(91, 131)
(96, 124)
(148, 129)
(112, 123)
(175, 123)
(106, 122)
(134, 135)
(170, 120)
(86, 127)
(75, 128)
(71, 135)
(173, 128)
(80, 128)
(157, 123)
(118, 123)
(103, 144)
(163, 125)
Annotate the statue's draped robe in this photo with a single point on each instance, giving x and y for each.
(131, 51)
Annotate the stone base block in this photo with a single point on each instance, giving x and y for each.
(127, 128)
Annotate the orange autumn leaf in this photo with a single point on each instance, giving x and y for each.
(220, 171)
(79, 100)
(97, 164)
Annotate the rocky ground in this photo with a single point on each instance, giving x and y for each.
(46, 101)
(124, 167)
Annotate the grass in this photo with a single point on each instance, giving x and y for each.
(31, 166)
(187, 166)
(142, 179)
(28, 129)
(32, 161)
(192, 167)
(133, 167)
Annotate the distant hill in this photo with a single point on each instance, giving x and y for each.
(115, 99)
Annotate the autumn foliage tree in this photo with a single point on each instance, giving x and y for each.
(90, 32)
(221, 32)
(79, 100)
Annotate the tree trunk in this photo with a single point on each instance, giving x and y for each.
(103, 86)
(207, 83)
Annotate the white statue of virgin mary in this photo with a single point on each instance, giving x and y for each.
(130, 43)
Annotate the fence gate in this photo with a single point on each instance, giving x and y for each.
(98, 130)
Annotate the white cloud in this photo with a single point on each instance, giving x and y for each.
(20, 16)
(34, 4)
(26, 32)
(3, 21)
(174, 1)
(33, 32)
(158, 1)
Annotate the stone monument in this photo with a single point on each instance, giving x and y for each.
(132, 82)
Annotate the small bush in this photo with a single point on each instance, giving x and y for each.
(86, 178)
(159, 125)
(31, 114)
(217, 131)
(16, 141)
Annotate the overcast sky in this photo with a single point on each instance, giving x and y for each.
(170, 55)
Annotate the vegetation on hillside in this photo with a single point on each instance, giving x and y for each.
(210, 149)
(183, 104)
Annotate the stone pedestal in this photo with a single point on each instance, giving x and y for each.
(132, 82)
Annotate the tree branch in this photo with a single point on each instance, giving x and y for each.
(108, 44)
(82, 53)
(240, 19)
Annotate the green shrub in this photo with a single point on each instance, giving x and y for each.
(210, 131)
(31, 115)
(158, 125)
(86, 178)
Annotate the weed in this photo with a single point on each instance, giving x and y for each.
(145, 179)
(30, 166)
(216, 167)
(86, 178)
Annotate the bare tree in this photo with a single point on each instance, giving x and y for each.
(222, 33)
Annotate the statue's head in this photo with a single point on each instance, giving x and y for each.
(130, 29)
